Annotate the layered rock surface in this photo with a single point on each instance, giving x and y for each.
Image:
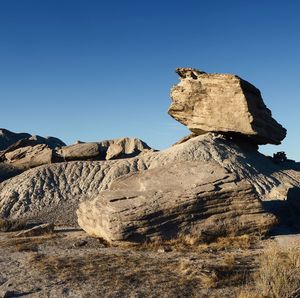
(21, 151)
(200, 200)
(29, 157)
(223, 103)
(53, 191)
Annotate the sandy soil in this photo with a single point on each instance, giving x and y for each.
(68, 263)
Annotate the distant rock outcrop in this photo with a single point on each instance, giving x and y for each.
(8, 138)
(21, 151)
(223, 103)
(107, 149)
(10, 141)
(80, 151)
(123, 147)
(29, 157)
(34, 151)
(198, 199)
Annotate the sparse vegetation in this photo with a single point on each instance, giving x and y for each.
(10, 225)
(183, 268)
(188, 243)
(278, 275)
(29, 244)
(279, 157)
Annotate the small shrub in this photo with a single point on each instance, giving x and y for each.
(278, 275)
(279, 157)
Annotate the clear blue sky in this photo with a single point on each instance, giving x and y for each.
(91, 70)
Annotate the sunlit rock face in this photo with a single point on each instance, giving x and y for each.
(223, 103)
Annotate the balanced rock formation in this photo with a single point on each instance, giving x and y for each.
(53, 191)
(198, 199)
(223, 103)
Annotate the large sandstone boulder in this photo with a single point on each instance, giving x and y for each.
(53, 191)
(199, 200)
(223, 103)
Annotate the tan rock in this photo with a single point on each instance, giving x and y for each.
(123, 147)
(189, 199)
(107, 149)
(80, 151)
(223, 103)
(29, 157)
(114, 151)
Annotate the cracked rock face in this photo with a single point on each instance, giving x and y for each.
(198, 199)
(223, 103)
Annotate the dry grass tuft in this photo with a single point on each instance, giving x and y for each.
(29, 244)
(7, 225)
(12, 225)
(278, 275)
(243, 242)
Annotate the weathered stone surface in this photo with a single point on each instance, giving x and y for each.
(81, 151)
(8, 138)
(52, 192)
(184, 139)
(114, 151)
(107, 149)
(29, 157)
(51, 143)
(191, 199)
(27, 153)
(223, 103)
(35, 151)
(123, 147)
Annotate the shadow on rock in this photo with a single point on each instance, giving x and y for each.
(287, 212)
